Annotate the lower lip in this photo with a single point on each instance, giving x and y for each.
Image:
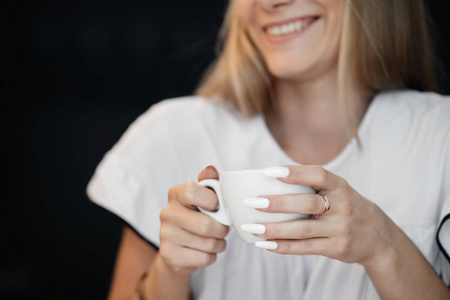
(287, 37)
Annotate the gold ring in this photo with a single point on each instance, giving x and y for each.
(326, 205)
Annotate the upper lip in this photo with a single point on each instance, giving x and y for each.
(279, 23)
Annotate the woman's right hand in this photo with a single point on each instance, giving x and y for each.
(191, 239)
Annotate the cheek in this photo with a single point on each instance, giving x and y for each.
(335, 17)
(334, 10)
(246, 18)
(241, 10)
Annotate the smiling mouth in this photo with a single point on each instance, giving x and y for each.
(289, 27)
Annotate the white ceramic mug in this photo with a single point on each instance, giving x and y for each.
(234, 187)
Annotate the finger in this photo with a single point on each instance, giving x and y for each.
(313, 246)
(195, 222)
(209, 245)
(183, 257)
(190, 240)
(209, 172)
(314, 176)
(294, 204)
(190, 194)
(294, 229)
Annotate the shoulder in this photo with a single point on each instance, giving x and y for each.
(414, 104)
(409, 110)
(174, 125)
(183, 112)
(185, 119)
(408, 122)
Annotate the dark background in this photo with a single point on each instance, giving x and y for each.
(74, 75)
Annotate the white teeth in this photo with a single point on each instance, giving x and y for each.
(291, 27)
(286, 28)
(275, 30)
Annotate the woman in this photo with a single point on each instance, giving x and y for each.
(306, 86)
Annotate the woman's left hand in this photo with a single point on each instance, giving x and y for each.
(353, 230)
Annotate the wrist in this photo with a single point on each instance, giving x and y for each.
(386, 254)
(385, 250)
(398, 270)
(173, 271)
(161, 280)
(382, 261)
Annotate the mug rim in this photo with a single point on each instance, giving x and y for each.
(242, 171)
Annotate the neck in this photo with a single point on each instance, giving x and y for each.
(309, 113)
(316, 103)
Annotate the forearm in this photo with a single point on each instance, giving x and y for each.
(402, 272)
(164, 283)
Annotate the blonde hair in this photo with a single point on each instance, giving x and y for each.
(384, 45)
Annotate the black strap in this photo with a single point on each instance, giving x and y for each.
(446, 218)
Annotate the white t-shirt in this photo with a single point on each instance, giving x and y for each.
(404, 167)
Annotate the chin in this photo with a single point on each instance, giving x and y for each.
(287, 73)
(282, 68)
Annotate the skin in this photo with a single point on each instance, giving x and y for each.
(309, 128)
(354, 230)
(189, 240)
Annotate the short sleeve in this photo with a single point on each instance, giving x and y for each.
(118, 189)
(443, 232)
(443, 241)
(134, 177)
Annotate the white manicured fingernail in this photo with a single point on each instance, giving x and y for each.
(254, 228)
(277, 172)
(257, 202)
(267, 245)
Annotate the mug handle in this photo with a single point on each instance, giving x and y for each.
(220, 215)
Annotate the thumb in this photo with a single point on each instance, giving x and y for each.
(208, 173)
